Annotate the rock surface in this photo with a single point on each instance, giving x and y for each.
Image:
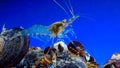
(113, 62)
(58, 57)
(14, 45)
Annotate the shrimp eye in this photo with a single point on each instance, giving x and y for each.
(64, 21)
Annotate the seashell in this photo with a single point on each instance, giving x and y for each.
(49, 51)
(49, 56)
(14, 44)
(62, 45)
(73, 46)
(76, 48)
(60, 48)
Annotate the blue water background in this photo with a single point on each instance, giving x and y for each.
(98, 26)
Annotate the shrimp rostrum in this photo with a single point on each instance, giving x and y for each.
(58, 30)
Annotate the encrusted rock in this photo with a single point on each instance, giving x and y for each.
(14, 44)
(114, 61)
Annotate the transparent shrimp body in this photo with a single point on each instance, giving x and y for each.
(57, 30)
(39, 32)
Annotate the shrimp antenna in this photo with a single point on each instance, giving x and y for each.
(61, 7)
(69, 6)
(72, 11)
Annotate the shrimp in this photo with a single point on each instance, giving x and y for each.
(58, 30)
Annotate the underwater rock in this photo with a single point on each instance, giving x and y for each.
(32, 58)
(77, 48)
(14, 44)
(114, 61)
(59, 56)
